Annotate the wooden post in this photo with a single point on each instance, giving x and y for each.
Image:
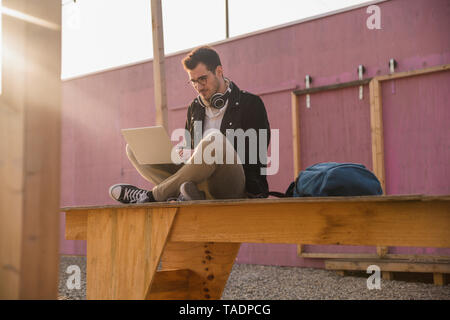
(296, 133)
(159, 77)
(439, 279)
(30, 112)
(114, 271)
(376, 125)
(296, 145)
(227, 20)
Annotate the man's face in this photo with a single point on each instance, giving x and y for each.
(205, 82)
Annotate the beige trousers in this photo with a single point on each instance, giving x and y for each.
(218, 180)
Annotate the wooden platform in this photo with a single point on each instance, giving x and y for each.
(197, 242)
(440, 270)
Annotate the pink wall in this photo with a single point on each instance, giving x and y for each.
(271, 64)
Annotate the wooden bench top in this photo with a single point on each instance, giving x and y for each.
(268, 201)
(412, 220)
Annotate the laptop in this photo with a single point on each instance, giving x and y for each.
(150, 145)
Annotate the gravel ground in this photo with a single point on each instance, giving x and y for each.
(252, 282)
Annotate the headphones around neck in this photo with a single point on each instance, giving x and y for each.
(218, 100)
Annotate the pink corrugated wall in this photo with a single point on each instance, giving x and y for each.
(271, 64)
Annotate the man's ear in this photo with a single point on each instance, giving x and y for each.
(219, 71)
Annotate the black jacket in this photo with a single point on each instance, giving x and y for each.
(244, 111)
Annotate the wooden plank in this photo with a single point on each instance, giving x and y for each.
(387, 266)
(409, 223)
(211, 264)
(123, 251)
(412, 73)
(170, 285)
(387, 77)
(330, 87)
(419, 258)
(407, 257)
(376, 127)
(159, 76)
(332, 255)
(76, 225)
(250, 202)
(30, 113)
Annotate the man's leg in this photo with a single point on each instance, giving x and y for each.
(126, 193)
(224, 181)
(154, 173)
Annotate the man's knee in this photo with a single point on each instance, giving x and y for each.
(219, 141)
(129, 152)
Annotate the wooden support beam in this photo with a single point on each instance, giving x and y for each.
(382, 251)
(332, 87)
(123, 250)
(413, 73)
(439, 279)
(159, 76)
(386, 275)
(170, 285)
(211, 263)
(30, 131)
(376, 126)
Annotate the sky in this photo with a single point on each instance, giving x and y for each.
(103, 34)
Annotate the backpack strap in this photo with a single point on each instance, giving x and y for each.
(277, 194)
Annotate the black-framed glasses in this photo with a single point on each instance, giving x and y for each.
(200, 80)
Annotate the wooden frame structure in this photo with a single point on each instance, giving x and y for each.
(30, 125)
(376, 124)
(197, 242)
(159, 73)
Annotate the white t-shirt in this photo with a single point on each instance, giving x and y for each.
(213, 118)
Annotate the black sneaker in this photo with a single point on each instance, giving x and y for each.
(126, 193)
(189, 192)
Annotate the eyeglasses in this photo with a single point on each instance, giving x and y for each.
(200, 80)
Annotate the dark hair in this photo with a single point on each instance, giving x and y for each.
(206, 55)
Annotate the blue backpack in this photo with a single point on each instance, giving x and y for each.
(334, 179)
